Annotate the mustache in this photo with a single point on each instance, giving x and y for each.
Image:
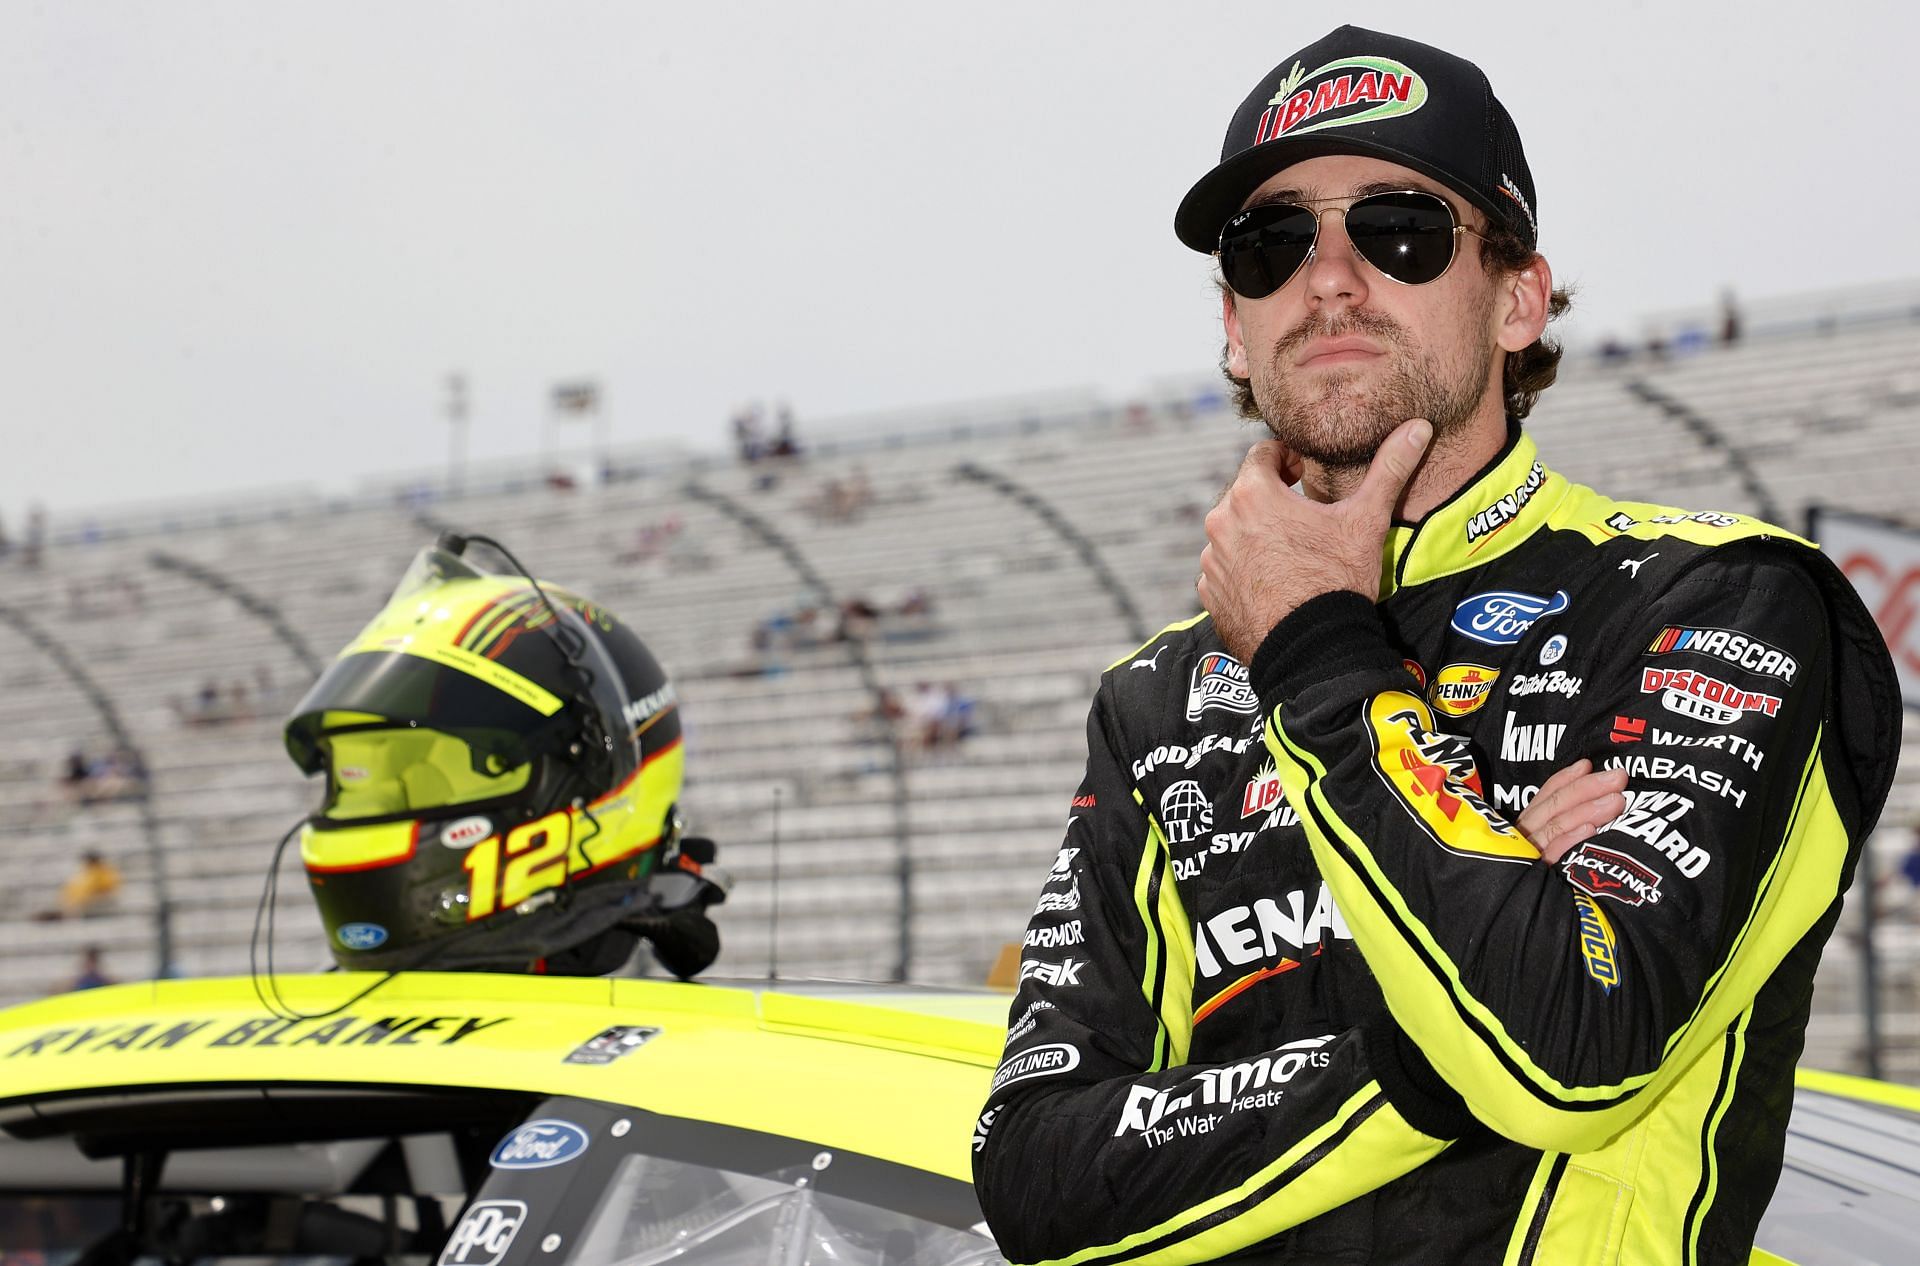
(1353, 321)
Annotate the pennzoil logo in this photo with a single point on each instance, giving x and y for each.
(1461, 688)
(1434, 775)
(1310, 100)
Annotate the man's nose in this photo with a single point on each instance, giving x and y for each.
(1334, 274)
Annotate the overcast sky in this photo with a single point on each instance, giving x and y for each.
(244, 243)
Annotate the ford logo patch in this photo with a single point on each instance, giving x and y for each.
(538, 1144)
(1502, 617)
(361, 936)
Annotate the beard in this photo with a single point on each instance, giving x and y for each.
(1338, 422)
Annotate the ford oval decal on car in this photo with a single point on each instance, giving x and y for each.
(538, 1144)
(360, 936)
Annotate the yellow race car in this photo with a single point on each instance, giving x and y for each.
(477, 1120)
(488, 1120)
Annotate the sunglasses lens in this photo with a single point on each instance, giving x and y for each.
(1407, 236)
(1263, 247)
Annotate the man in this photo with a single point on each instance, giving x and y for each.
(1305, 981)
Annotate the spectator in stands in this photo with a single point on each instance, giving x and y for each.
(882, 715)
(36, 536)
(88, 891)
(76, 776)
(120, 775)
(910, 620)
(939, 716)
(1729, 319)
(747, 439)
(858, 620)
(92, 975)
(786, 443)
(843, 500)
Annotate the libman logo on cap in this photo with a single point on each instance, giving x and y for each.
(1343, 92)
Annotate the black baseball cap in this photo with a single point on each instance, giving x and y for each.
(1356, 91)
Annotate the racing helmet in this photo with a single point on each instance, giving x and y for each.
(502, 762)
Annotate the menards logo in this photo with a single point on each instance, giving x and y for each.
(1387, 87)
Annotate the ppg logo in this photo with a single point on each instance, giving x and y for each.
(538, 1144)
(1502, 617)
(361, 936)
(485, 1234)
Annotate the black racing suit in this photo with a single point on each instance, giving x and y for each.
(1296, 986)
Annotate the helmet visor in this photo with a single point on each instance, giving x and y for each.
(500, 729)
(375, 771)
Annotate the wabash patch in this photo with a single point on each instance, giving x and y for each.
(1340, 94)
(1434, 775)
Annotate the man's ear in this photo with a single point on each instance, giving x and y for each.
(1236, 346)
(1521, 313)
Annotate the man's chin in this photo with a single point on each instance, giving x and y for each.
(1333, 435)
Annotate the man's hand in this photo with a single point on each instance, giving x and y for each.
(1571, 806)
(1269, 549)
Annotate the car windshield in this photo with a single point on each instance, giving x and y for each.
(504, 1180)
(656, 1210)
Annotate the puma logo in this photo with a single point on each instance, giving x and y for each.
(1634, 564)
(1148, 663)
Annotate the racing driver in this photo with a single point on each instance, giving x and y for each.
(1304, 983)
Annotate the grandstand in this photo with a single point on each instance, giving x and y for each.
(1043, 545)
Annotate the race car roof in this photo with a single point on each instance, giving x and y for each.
(889, 1072)
(862, 1068)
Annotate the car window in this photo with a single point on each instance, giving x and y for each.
(656, 1210)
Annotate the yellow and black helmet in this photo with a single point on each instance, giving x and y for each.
(502, 761)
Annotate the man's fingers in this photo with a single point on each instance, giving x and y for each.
(1577, 825)
(1562, 779)
(1576, 784)
(1393, 466)
(1571, 806)
(1267, 461)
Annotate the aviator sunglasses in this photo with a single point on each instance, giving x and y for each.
(1406, 234)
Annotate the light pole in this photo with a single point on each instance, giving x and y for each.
(456, 408)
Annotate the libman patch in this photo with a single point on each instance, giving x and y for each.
(1461, 688)
(1433, 774)
(1342, 93)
